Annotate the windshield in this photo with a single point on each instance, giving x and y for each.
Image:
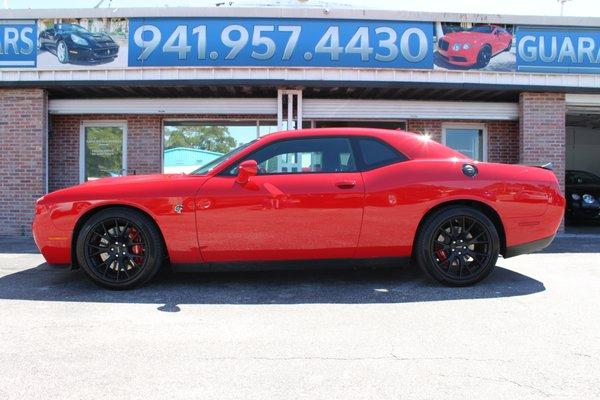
(71, 28)
(482, 29)
(206, 168)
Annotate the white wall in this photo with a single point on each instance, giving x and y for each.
(583, 149)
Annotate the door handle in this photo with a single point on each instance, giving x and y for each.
(346, 184)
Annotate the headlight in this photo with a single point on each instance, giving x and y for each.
(588, 198)
(575, 197)
(456, 46)
(467, 46)
(79, 40)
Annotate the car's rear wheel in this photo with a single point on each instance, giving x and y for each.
(119, 248)
(484, 56)
(457, 246)
(62, 52)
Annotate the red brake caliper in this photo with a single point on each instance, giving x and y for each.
(136, 248)
(441, 254)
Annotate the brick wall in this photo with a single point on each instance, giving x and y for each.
(503, 136)
(144, 143)
(542, 130)
(23, 114)
(503, 141)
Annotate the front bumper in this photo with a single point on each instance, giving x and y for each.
(459, 57)
(95, 54)
(54, 244)
(580, 210)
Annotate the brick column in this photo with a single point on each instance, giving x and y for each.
(23, 122)
(542, 131)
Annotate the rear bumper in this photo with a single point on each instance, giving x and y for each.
(529, 247)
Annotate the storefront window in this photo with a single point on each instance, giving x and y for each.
(187, 145)
(103, 154)
(468, 140)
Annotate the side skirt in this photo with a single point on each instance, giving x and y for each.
(292, 265)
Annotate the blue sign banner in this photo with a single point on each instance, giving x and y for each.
(560, 50)
(18, 44)
(279, 42)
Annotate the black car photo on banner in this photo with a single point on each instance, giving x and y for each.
(86, 42)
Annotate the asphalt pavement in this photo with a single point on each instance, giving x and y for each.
(530, 330)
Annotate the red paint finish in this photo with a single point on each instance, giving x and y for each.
(369, 213)
(498, 40)
(278, 217)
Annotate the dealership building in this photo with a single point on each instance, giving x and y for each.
(91, 93)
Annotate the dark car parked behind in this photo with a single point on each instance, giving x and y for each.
(70, 42)
(583, 195)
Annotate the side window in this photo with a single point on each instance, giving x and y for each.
(310, 155)
(377, 154)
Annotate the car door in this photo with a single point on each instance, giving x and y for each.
(306, 202)
(48, 40)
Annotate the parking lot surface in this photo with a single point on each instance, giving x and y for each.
(530, 330)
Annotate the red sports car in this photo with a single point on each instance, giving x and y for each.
(350, 194)
(475, 46)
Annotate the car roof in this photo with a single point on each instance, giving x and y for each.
(413, 145)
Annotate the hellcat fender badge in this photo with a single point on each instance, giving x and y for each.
(178, 208)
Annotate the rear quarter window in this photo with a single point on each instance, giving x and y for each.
(375, 153)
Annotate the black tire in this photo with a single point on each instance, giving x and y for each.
(449, 246)
(484, 56)
(120, 248)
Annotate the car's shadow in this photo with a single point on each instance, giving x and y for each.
(340, 286)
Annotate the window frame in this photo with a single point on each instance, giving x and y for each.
(469, 125)
(354, 146)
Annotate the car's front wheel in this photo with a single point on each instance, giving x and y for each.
(484, 56)
(119, 248)
(457, 246)
(62, 52)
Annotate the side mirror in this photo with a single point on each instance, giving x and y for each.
(246, 170)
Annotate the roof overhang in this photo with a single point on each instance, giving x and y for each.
(298, 12)
(302, 76)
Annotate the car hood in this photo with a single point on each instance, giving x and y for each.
(124, 187)
(583, 189)
(462, 37)
(96, 37)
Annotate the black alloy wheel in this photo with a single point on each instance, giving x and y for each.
(458, 246)
(119, 248)
(62, 52)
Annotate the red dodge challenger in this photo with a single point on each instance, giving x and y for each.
(350, 194)
(475, 46)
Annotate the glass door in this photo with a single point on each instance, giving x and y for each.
(103, 150)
